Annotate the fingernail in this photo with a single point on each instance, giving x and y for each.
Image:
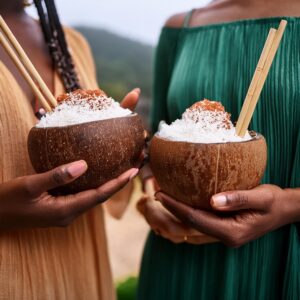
(137, 90)
(134, 174)
(77, 168)
(219, 200)
(42, 111)
(146, 135)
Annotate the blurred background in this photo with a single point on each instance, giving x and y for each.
(123, 35)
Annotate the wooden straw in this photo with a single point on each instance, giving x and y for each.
(255, 79)
(24, 72)
(27, 64)
(263, 78)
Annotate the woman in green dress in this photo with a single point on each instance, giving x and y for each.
(212, 53)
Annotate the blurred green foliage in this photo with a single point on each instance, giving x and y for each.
(126, 290)
(122, 64)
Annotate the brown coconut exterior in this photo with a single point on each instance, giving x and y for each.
(110, 147)
(192, 172)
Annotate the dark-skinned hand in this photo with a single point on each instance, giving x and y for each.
(130, 101)
(242, 216)
(25, 201)
(163, 223)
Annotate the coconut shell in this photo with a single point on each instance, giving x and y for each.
(193, 172)
(110, 147)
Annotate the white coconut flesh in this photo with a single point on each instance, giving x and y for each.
(202, 126)
(78, 111)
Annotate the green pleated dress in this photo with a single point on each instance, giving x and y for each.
(217, 62)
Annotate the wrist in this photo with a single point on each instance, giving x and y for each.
(292, 200)
(144, 203)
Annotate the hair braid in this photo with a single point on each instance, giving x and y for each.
(55, 39)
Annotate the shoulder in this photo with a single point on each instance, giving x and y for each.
(177, 20)
(78, 43)
(75, 36)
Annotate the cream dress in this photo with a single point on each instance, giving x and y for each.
(68, 263)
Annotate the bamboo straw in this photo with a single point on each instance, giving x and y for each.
(263, 77)
(255, 79)
(27, 63)
(24, 72)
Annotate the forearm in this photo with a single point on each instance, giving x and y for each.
(118, 203)
(293, 204)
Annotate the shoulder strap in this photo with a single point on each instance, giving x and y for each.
(187, 19)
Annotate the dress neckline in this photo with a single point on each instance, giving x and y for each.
(265, 20)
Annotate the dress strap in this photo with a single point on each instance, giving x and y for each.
(187, 19)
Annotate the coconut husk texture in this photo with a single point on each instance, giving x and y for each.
(110, 147)
(192, 172)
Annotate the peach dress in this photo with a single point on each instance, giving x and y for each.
(54, 263)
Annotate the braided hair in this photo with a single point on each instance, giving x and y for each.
(56, 41)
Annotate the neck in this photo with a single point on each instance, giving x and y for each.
(11, 7)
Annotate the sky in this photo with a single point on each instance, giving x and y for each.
(136, 19)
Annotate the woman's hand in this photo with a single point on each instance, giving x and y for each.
(253, 213)
(26, 203)
(164, 223)
(130, 101)
(117, 204)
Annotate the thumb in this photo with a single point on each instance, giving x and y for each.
(258, 199)
(131, 99)
(59, 176)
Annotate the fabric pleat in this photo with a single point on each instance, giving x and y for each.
(51, 263)
(217, 62)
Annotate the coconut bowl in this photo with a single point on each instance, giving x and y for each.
(193, 172)
(110, 147)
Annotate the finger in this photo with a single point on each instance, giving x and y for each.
(131, 99)
(163, 222)
(150, 188)
(173, 239)
(140, 206)
(201, 240)
(40, 113)
(201, 220)
(257, 199)
(81, 202)
(180, 233)
(39, 183)
(171, 227)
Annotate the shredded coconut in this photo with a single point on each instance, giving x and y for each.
(204, 122)
(78, 110)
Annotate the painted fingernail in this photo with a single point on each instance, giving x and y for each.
(77, 168)
(42, 111)
(219, 200)
(134, 174)
(146, 135)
